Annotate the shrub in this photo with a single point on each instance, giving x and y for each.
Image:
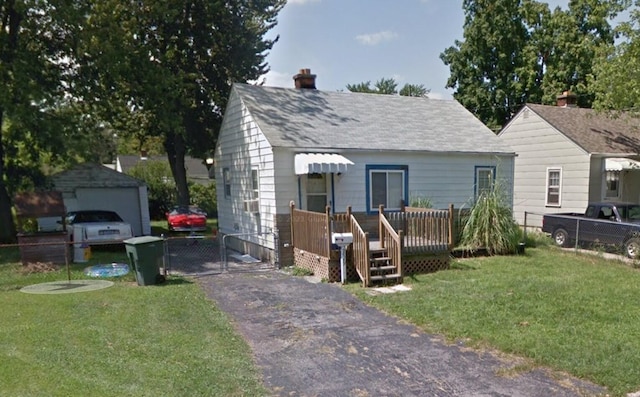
(161, 187)
(204, 196)
(490, 224)
(419, 201)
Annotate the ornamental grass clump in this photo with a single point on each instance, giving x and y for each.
(490, 225)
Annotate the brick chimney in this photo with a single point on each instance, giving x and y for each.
(567, 100)
(304, 79)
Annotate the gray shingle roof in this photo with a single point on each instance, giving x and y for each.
(593, 131)
(92, 175)
(323, 120)
(195, 167)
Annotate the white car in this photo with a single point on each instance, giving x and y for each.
(98, 226)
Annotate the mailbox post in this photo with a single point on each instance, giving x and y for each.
(342, 240)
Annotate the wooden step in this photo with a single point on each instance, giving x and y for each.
(379, 259)
(385, 277)
(382, 268)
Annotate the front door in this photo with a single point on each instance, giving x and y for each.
(317, 192)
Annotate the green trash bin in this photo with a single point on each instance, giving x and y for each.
(145, 258)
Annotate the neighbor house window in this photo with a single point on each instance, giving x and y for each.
(554, 184)
(612, 179)
(387, 185)
(484, 180)
(226, 177)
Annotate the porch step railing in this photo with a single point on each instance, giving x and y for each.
(391, 241)
(360, 249)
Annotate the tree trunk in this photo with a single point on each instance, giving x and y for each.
(175, 147)
(7, 227)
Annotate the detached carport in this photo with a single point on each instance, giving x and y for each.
(90, 186)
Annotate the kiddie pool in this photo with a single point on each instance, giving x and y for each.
(107, 270)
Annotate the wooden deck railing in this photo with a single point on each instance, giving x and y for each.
(393, 242)
(414, 230)
(425, 230)
(310, 231)
(341, 223)
(360, 251)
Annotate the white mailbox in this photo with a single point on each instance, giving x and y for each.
(342, 239)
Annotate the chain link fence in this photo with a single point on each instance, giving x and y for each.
(576, 231)
(184, 255)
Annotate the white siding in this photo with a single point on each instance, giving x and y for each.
(242, 147)
(540, 146)
(443, 178)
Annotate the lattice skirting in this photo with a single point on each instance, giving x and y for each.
(329, 268)
(425, 263)
(323, 267)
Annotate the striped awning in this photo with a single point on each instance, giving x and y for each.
(320, 163)
(620, 164)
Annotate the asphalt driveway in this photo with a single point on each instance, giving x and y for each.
(315, 339)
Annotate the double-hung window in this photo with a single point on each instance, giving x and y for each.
(386, 185)
(484, 180)
(554, 185)
(226, 177)
(255, 184)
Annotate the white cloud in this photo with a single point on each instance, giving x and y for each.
(302, 1)
(376, 38)
(439, 95)
(277, 79)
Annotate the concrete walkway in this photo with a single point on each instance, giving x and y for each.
(315, 339)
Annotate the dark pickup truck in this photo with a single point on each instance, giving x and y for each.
(611, 224)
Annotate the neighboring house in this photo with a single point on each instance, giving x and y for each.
(567, 157)
(90, 186)
(340, 149)
(197, 170)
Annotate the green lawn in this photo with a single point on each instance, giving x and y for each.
(574, 313)
(125, 340)
(571, 312)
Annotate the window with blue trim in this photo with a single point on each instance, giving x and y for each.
(386, 185)
(484, 180)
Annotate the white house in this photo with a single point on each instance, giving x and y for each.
(339, 149)
(568, 157)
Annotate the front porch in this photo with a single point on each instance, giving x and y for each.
(386, 247)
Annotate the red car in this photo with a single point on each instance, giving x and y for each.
(187, 219)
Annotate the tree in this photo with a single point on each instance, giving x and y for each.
(483, 66)
(388, 87)
(364, 87)
(382, 86)
(576, 37)
(414, 90)
(164, 69)
(618, 71)
(532, 55)
(37, 43)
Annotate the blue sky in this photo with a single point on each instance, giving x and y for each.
(352, 41)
